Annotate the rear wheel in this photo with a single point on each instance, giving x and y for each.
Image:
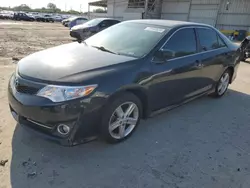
(222, 84)
(121, 118)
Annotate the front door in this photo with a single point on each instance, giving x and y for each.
(178, 77)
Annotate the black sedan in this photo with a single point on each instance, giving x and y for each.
(106, 84)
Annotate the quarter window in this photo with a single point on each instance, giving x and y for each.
(221, 42)
(182, 43)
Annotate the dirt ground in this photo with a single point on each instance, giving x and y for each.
(203, 144)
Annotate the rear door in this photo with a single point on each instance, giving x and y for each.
(178, 78)
(213, 54)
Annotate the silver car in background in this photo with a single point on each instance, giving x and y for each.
(83, 31)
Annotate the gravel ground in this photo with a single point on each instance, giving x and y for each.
(202, 144)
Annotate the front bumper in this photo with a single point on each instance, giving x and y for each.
(75, 34)
(42, 116)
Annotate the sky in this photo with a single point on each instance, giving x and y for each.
(62, 4)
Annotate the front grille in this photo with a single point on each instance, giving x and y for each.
(74, 34)
(26, 89)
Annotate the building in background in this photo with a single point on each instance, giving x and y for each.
(226, 15)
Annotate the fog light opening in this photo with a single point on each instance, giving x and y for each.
(63, 129)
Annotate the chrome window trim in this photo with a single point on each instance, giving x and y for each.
(192, 27)
(195, 54)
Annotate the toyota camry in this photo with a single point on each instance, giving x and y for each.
(103, 86)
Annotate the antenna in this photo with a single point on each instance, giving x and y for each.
(227, 5)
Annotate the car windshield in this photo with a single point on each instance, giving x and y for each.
(131, 39)
(72, 18)
(93, 22)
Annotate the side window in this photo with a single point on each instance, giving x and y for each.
(113, 22)
(208, 39)
(182, 43)
(109, 22)
(104, 23)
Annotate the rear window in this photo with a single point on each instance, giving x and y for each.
(182, 43)
(209, 39)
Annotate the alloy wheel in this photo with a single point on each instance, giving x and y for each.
(123, 120)
(223, 83)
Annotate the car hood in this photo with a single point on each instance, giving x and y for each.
(55, 64)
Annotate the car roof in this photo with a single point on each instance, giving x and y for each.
(101, 19)
(167, 23)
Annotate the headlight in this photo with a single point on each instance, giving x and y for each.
(65, 93)
(12, 79)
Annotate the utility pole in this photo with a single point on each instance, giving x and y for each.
(88, 11)
(146, 9)
(80, 8)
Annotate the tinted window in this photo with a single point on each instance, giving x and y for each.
(114, 22)
(94, 22)
(106, 23)
(208, 39)
(82, 19)
(182, 43)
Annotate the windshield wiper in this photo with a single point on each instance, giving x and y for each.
(103, 49)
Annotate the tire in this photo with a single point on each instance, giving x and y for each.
(221, 88)
(119, 119)
(243, 58)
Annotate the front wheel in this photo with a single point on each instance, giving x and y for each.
(222, 84)
(121, 118)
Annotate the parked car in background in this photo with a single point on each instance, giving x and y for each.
(39, 18)
(66, 21)
(44, 18)
(77, 21)
(105, 85)
(2, 15)
(245, 49)
(6, 15)
(83, 31)
(23, 16)
(57, 18)
(49, 18)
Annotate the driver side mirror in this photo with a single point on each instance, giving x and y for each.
(164, 54)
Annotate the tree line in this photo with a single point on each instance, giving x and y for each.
(51, 8)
